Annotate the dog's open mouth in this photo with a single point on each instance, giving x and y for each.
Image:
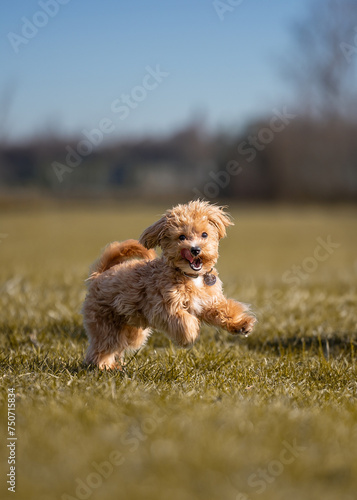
(195, 262)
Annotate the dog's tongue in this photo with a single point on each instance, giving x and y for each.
(186, 254)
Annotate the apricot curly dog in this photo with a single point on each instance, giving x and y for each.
(131, 289)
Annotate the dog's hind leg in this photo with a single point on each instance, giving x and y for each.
(130, 338)
(135, 337)
(107, 351)
(105, 344)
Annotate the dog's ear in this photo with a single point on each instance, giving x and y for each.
(151, 237)
(220, 220)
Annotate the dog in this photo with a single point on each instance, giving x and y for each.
(131, 290)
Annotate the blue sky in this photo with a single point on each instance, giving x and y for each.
(66, 77)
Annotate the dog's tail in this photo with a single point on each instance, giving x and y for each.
(118, 252)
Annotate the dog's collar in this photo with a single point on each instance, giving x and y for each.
(209, 280)
(193, 276)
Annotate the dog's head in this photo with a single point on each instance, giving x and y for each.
(189, 235)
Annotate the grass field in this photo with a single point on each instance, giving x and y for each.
(270, 417)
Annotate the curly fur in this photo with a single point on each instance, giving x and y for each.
(131, 290)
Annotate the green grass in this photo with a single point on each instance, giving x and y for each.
(212, 422)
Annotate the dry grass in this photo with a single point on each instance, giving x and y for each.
(212, 422)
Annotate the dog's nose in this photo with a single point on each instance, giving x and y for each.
(195, 251)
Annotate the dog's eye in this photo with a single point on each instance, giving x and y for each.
(182, 237)
(204, 235)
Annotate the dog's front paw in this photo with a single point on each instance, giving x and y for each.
(244, 327)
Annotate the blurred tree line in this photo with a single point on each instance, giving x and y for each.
(309, 160)
(304, 151)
